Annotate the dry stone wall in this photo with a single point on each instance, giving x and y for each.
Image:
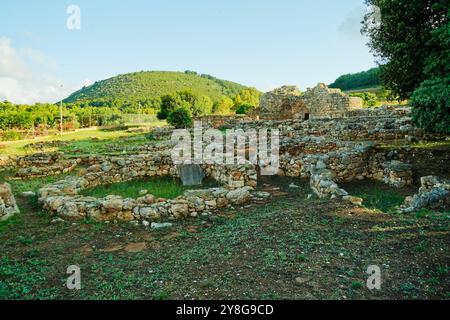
(62, 198)
(434, 193)
(45, 164)
(289, 103)
(8, 205)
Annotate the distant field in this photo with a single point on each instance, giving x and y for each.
(375, 90)
(86, 140)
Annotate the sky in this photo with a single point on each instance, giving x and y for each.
(259, 43)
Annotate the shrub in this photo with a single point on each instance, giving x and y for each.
(180, 118)
(244, 109)
(223, 107)
(197, 105)
(430, 102)
(369, 99)
(11, 135)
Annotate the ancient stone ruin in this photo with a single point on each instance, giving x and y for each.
(339, 143)
(434, 193)
(289, 103)
(282, 103)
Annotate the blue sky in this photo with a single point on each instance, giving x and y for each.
(258, 43)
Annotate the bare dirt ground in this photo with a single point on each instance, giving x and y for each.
(287, 247)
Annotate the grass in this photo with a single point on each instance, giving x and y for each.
(377, 195)
(164, 187)
(427, 145)
(81, 141)
(257, 253)
(30, 184)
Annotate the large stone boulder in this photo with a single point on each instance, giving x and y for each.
(239, 196)
(434, 193)
(8, 205)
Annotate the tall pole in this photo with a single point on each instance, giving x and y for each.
(139, 114)
(61, 116)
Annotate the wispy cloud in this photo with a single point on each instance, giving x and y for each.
(26, 75)
(351, 25)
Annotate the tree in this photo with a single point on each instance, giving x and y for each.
(412, 41)
(244, 109)
(369, 99)
(403, 40)
(223, 106)
(202, 106)
(365, 79)
(249, 96)
(431, 105)
(180, 118)
(169, 103)
(197, 105)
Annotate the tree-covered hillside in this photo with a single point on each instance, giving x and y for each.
(154, 84)
(364, 79)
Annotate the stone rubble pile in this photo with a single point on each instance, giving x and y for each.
(434, 193)
(8, 205)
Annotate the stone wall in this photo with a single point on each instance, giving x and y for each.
(383, 123)
(8, 206)
(63, 198)
(322, 101)
(434, 193)
(282, 103)
(218, 121)
(45, 164)
(288, 103)
(7, 162)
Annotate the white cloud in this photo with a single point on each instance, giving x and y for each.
(26, 76)
(351, 25)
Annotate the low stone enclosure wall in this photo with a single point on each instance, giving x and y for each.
(325, 163)
(434, 193)
(63, 198)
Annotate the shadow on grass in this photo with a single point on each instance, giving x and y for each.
(377, 195)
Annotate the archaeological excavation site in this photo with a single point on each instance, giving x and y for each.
(339, 165)
(231, 158)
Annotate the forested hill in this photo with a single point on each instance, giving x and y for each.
(153, 84)
(365, 79)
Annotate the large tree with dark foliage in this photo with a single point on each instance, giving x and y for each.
(411, 39)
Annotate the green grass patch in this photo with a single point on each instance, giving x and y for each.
(377, 195)
(30, 184)
(425, 145)
(81, 141)
(165, 187)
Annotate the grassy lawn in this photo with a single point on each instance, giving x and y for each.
(377, 195)
(165, 187)
(287, 247)
(81, 141)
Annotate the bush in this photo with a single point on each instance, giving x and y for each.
(223, 107)
(11, 135)
(180, 118)
(369, 99)
(244, 109)
(430, 102)
(197, 105)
